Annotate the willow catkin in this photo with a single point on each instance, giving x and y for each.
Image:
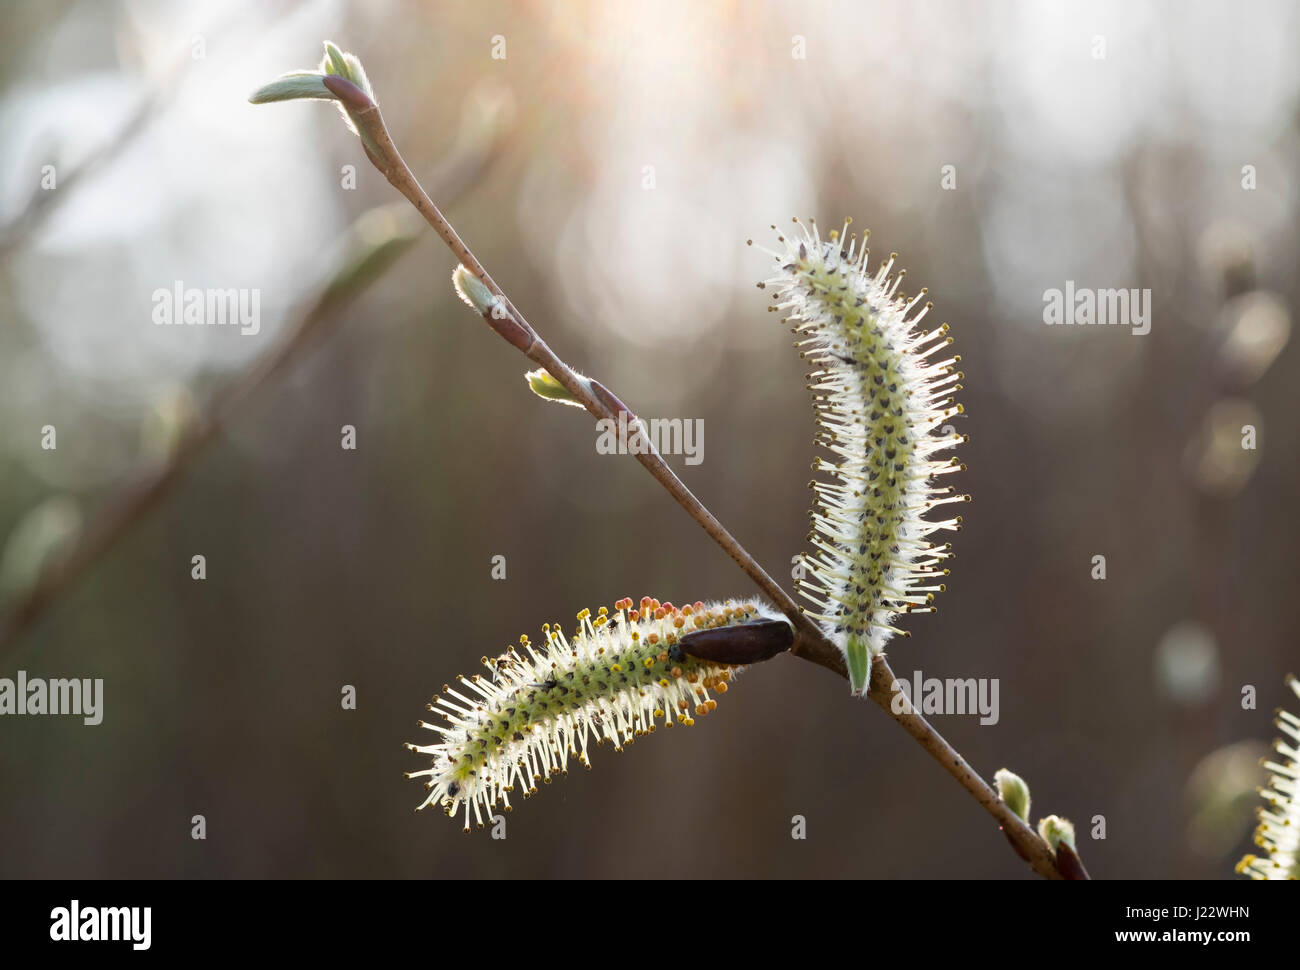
(882, 388)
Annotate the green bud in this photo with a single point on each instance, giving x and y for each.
(334, 62)
(544, 385)
(1013, 791)
(345, 65)
(298, 85)
(474, 291)
(1055, 830)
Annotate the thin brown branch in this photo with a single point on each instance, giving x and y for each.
(889, 698)
(516, 330)
(811, 644)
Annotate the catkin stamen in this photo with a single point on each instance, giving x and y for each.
(1278, 832)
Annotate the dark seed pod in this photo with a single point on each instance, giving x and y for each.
(747, 643)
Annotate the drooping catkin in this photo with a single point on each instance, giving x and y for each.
(882, 388)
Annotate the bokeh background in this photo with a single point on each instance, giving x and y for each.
(608, 170)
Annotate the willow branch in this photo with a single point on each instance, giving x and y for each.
(810, 643)
(889, 698)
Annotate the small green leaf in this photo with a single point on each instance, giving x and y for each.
(334, 62)
(345, 65)
(293, 87)
(544, 385)
(857, 657)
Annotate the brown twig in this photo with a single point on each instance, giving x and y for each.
(889, 698)
(810, 644)
(514, 328)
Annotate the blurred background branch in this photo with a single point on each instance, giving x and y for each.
(374, 243)
(159, 94)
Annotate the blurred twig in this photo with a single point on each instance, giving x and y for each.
(810, 644)
(147, 487)
(42, 203)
